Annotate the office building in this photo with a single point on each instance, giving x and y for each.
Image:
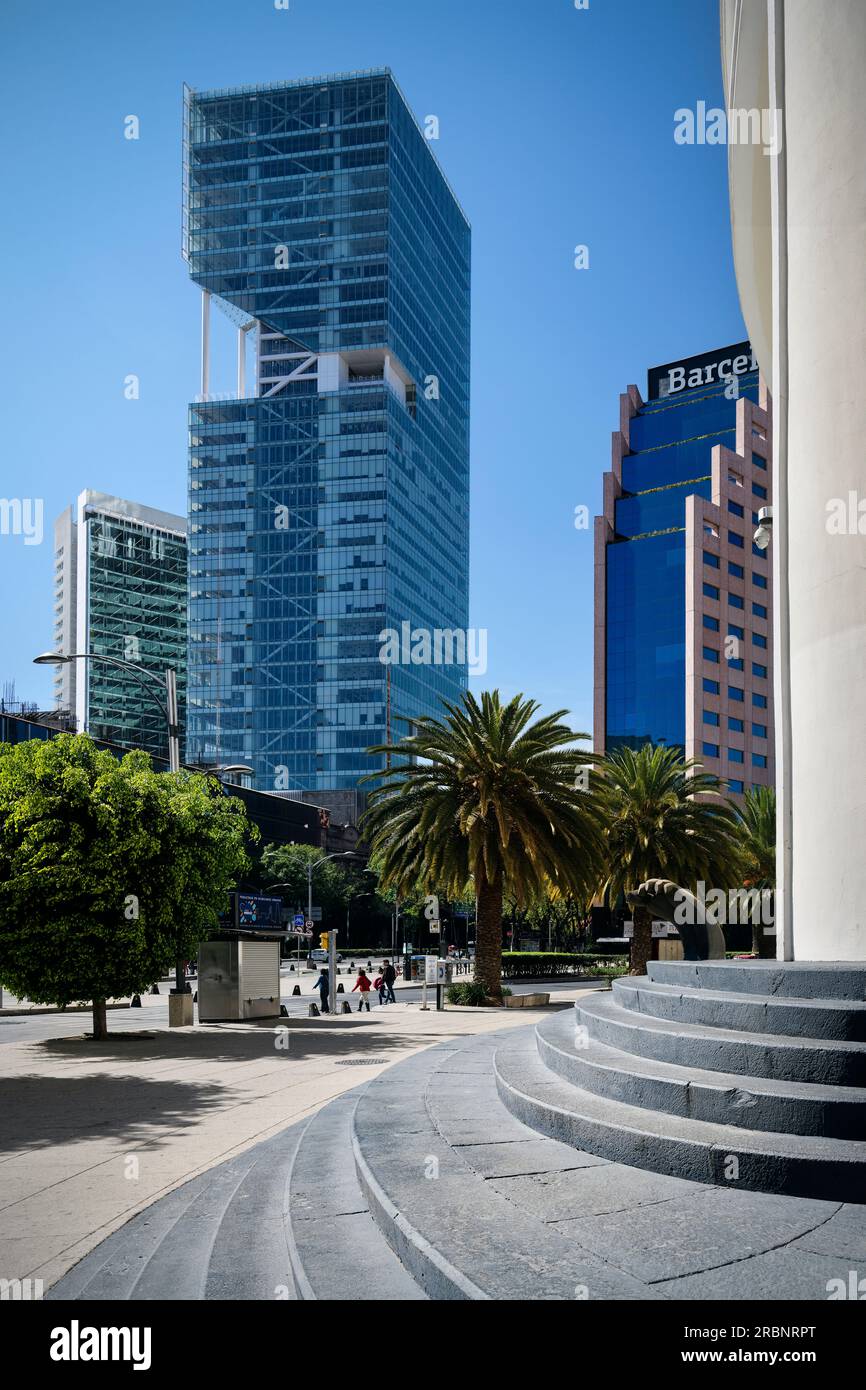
(120, 591)
(328, 502)
(683, 595)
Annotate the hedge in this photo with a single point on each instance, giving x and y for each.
(529, 965)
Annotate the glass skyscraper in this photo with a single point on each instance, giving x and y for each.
(330, 503)
(683, 639)
(120, 575)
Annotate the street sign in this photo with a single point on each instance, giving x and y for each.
(298, 919)
(436, 927)
(431, 908)
(317, 914)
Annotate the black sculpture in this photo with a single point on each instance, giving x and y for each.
(667, 902)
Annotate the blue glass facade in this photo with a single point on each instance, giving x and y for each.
(671, 441)
(333, 504)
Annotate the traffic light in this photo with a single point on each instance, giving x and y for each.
(323, 941)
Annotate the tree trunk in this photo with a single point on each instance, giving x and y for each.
(100, 1022)
(488, 936)
(642, 941)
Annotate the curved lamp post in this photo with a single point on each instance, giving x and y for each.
(145, 678)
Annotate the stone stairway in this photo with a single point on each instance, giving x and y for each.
(548, 1162)
(718, 1072)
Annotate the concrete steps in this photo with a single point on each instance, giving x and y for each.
(489, 1169)
(703, 1068)
(220, 1236)
(832, 1019)
(336, 1250)
(462, 1239)
(700, 1150)
(784, 979)
(792, 1107)
(714, 1048)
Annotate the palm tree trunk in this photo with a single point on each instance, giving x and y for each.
(488, 935)
(642, 942)
(100, 1022)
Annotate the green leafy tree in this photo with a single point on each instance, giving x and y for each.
(108, 870)
(756, 829)
(657, 824)
(333, 881)
(485, 794)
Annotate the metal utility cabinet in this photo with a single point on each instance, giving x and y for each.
(238, 979)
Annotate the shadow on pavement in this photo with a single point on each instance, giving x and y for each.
(245, 1042)
(40, 1111)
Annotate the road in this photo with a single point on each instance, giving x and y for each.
(154, 1011)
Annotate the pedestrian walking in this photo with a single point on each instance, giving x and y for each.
(323, 985)
(379, 985)
(364, 984)
(389, 975)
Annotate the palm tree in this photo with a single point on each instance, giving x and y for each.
(485, 796)
(655, 827)
(756, 827)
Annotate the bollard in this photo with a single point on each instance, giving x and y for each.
(155, 989)
(340, 989)
(296, 991)
(292, 969)
(313, 1011)
(284, 1013)
(347, 1008)
(136, 1002)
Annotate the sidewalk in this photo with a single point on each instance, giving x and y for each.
(95, 1132)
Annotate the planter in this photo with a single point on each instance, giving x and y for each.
(526, 1001)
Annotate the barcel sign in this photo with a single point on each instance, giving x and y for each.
(724, 365)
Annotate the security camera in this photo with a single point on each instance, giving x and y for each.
(765, 528)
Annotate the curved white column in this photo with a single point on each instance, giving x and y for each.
(817, 253)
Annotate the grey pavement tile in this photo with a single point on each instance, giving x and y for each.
(599, 1188)
(792, 1275)
(699, 1231)
(524, 1156)
(844, 1235)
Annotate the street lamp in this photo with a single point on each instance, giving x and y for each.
(311, 865)
(232, 770)
(764, 532)
(168, 705)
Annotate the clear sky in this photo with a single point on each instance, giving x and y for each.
(556, 129)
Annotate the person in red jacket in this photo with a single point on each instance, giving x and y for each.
(364, 984)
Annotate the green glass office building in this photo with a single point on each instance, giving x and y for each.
(329, 502)
(120, 591)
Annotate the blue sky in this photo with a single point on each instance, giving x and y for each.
(556, 128)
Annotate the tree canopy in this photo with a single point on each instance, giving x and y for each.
(108, 870)
(488, 795)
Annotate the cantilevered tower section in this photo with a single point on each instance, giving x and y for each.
(329, 495)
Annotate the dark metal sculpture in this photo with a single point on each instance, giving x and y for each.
(668, 902)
